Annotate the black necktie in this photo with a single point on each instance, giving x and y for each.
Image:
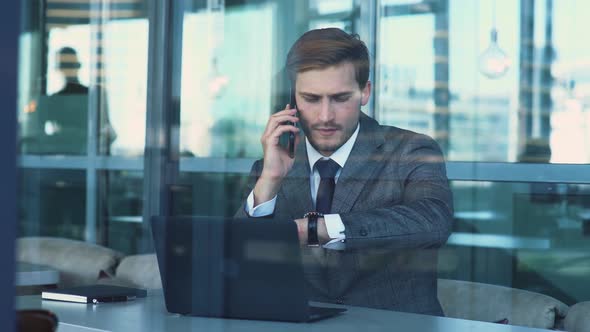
(327, 169)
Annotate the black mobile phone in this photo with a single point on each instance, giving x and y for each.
(293, 104)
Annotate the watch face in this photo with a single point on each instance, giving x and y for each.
(316, 214)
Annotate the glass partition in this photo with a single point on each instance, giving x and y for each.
(55, 203)
(226, 93)
(520, 116)
(82, 110)
(524, 235)
(133, 109)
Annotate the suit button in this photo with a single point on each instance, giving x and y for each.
(364, 232)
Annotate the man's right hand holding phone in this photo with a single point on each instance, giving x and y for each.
(277, 161)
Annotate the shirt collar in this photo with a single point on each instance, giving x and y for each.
(339, 156)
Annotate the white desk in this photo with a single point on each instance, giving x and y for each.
(498, 241)
(485, 215)
(35, 275)
(149, 314)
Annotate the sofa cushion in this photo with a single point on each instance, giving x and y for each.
(578, 318)
(78, 262)
(490, 303)
(140, 271)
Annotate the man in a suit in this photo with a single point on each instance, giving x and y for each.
(374, 198)
(69, 66)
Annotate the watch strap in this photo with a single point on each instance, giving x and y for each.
(312, 228)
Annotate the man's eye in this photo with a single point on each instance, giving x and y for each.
(341, 99)
(311, 99)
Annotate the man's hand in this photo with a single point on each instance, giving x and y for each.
(277, 162)
(323, 237)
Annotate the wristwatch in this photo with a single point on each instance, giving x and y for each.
(312, 228)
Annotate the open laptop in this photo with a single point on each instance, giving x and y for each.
(233, 268)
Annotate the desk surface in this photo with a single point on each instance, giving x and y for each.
(149, 314)
(498, 241)
(35, 275)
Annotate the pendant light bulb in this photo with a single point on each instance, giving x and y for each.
(494, 62)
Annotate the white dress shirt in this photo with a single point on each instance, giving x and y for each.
(334, 224)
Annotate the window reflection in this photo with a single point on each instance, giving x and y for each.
(528, 236)
(226, 81)
(524, 235)
(109, 63)
(54, 203)
(82, 97)
(326, 7)
(542, 98)
(120, 204)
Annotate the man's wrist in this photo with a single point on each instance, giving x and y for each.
(263, 209)
(323, 236)
(265, 189)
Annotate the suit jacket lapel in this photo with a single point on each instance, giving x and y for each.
(358, 170)
(359, 167)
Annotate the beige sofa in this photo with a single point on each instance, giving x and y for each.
(78, 262)
(491, 303)
(83, 263)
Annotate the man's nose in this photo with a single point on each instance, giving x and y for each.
(326, 112)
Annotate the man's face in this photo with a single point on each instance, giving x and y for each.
(329, 103)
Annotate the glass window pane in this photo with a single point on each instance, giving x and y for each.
(326, 7)
(52, 203)
(482, 107)
(226, 94)
(82, 100)
(570, 91)
(120, 211)
(208, 194)
(82, 105)
(125, 48)
(524, 235)
(90, 73)
(535, 111)
(406, 73)
(400, 2)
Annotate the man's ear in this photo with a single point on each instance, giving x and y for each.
(366, 93)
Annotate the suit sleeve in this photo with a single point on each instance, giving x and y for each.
(422, 219)
(255, 172)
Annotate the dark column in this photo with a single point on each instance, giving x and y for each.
(161, 159)
(527, 49)
(10, 27)
(441, 75)
(546, 103)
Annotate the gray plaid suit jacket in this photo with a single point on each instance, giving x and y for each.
(394, 200)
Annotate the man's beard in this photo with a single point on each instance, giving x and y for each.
(325, 147)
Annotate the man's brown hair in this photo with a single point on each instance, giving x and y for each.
(322, 48)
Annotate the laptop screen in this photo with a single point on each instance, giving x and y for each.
(240, 268)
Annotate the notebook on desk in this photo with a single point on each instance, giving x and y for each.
(94, 294)
(233, 268)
